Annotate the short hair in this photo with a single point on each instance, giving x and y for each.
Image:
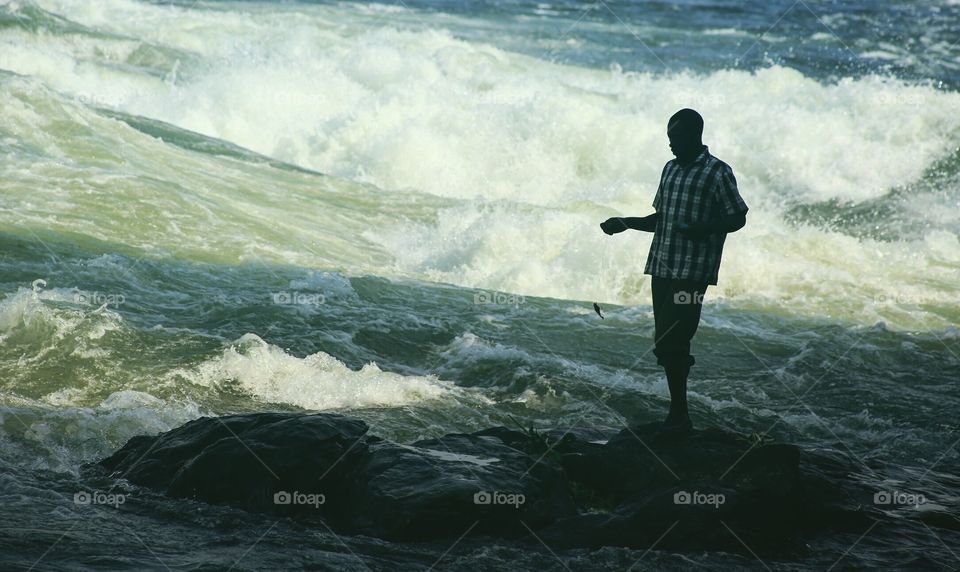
(688, 121)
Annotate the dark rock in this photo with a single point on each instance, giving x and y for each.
(707, 490)
(247, 459)
(436, 487)
(711, 489)
(368, 485)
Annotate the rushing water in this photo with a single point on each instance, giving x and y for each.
(392, 210)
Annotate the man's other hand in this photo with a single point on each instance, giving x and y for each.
(613, 225)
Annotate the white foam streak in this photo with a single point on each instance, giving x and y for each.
(317, 382)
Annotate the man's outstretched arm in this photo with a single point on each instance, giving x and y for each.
(620, 224)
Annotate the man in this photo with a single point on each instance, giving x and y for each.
(696, 205)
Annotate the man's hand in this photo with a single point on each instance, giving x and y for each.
(613, 225)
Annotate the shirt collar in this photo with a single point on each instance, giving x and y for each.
(703, 155)
(700, 158)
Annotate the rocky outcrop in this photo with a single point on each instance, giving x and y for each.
(708, 490)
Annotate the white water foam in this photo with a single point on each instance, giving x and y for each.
(317, 382)
(533, 154)
(55, 434)
(55, 320)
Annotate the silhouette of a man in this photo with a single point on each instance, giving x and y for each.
(696, 205)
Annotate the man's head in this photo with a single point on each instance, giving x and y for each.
(685, 130)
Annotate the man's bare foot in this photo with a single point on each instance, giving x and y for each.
(676, 425)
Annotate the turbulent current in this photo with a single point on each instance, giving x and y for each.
(392, 210)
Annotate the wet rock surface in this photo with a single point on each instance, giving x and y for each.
(707, 490)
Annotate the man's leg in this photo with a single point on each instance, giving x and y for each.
(676, 309)
(677, 382)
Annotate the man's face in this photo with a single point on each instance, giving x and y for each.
(681, 140)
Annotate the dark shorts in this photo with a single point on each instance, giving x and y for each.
(676, 315)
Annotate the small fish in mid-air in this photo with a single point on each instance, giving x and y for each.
(596, 308)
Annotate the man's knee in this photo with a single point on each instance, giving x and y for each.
(673, 357)
(677, 316)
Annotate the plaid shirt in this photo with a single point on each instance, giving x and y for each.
(699, 192)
